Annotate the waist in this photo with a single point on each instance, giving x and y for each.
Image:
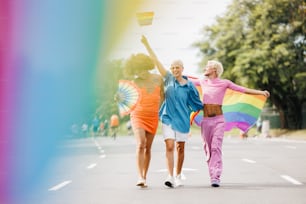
(212, 110)
(144, 113)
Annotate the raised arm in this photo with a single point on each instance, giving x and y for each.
(159, 65)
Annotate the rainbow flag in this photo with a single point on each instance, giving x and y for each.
(240, 110)
(145, 18)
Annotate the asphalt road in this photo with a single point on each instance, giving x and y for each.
(103, 171)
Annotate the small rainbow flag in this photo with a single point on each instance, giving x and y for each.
(145, 18)
(240, 110)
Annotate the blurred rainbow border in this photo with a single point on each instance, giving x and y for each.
(50, 56)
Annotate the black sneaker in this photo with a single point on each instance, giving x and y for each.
(215, 184)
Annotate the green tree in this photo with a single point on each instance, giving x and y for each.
(262, 45)
(107, 79)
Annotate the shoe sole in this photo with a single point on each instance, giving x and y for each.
(169, 184)
(142, 185)
(215, 185)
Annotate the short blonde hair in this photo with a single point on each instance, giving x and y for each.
(217, 65)
(177, 62)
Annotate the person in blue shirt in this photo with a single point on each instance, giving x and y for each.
(181, 98)
(95, 125)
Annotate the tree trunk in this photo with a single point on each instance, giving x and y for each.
(282, 119)
(293, 112)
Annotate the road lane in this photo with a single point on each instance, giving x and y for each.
(255, 171)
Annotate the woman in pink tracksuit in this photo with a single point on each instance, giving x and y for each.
(212, 126)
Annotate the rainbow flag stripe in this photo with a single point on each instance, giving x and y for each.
(240, 110)
(145, 18)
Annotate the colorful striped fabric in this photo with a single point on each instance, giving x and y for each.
(128, 96)
(240, 110)
(145, 18)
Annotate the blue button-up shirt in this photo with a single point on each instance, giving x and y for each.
(180, 101)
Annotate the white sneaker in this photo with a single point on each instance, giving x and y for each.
(169, 182)
(141, 183)
(179, 180)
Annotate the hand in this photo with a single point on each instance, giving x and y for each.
(266, 93)
(144, 40)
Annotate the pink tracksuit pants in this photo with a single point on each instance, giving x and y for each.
(212, 131)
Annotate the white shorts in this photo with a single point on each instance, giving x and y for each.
(169, 133)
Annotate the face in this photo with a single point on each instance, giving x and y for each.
(209, 70)
(176, 70)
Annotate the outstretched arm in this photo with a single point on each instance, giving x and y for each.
(257, 92)
(160, 67)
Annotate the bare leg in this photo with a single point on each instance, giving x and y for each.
(140, 151)
(169, 155)
(147, 154)
(180, 148)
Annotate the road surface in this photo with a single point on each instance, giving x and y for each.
(103, 171)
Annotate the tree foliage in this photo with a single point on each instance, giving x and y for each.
(261, 44)
(106, 87)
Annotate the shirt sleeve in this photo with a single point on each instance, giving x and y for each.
(235, 87)
(194, 80)
(194, 98)
(167, 77)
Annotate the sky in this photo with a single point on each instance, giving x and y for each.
(176, 26)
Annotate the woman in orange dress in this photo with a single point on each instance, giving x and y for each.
(144, 118)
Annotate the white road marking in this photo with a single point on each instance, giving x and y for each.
(291, 180)
(96, 143)
(286, 140)
(91, 166)
(99, 146)
(290, 147)
(162, 170)
(102, 156)
(189, 169)
(249, 161)
(59, 186)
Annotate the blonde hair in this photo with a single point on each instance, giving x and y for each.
(217, 65)
(177, 62)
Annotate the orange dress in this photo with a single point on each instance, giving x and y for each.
(145, 115)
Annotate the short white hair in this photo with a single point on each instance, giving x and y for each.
(177, 62)
(217, 65)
